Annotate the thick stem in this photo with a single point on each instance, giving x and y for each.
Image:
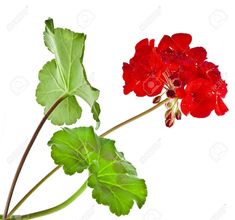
(102, 135)
(58, 207)
(22, 161)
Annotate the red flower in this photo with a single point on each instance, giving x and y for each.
(199, 100)
(142, 74)
(182, 71)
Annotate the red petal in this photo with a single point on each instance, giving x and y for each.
(198, 110)
(180, 93)
(200, 99)
(186, 104)
(202, 110)
(197, 54)
(220, 108)
(208, 66)
(139, 89)
(221, 88)
(127, 89)
(187, 74)
(144, 43)
(152, 86)
(127, 72)
(165, 43)
(210, 71)
(152, 42)
(181, 41)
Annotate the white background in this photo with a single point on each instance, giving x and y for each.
(189, 169)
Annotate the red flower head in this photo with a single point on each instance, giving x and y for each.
(182, 71)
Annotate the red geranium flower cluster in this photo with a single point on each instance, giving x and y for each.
(182, 72)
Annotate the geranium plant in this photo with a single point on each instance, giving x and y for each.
(191, 84)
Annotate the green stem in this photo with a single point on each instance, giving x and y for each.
(134, 118)
(27, 150)
(102, 135)
(32, 190)
(58, 207)
(14, 217)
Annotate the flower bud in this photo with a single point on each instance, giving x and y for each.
(170, 94)
(177, 83)
(178, 115)
(169, 114)
(170, 118)
(157, 99)
(169, 104)
(169, 122)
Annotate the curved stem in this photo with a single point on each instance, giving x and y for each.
(31, 191)
(22, 161)
(58, 207)
(134, 118)
(102, 135)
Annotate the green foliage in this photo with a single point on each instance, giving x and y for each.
(113, 179)
(65, 76)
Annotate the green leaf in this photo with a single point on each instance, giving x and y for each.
(113, 179)
(65, 76)
(71, 147)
